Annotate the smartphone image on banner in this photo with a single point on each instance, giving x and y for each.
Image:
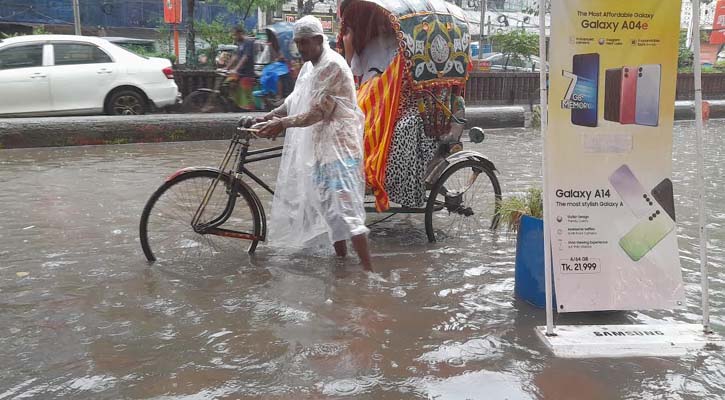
(647, 107)
(628, 96)
(612, 94)
(665, 197)
(633, 194)
(646, 234)
(586, 68)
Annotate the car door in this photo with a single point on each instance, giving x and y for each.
(80, 77)
(24, 84)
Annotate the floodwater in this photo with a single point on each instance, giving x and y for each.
(83, 315)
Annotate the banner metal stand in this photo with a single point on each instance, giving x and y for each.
(544, 123)
(640, 340)
(700, 169)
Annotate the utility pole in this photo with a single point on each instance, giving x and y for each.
(76, 17)
(484, 4)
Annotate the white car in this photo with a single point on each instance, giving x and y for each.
(508, 63)
(65, 74)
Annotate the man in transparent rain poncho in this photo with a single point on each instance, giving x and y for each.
(320, 187)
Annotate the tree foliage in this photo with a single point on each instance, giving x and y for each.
(685, 56)
(165, 37)
(517, 44)
(143, 51)
(190, 33)
(214, 33)
(37, 30)
(242, 8)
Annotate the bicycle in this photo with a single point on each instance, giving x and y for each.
(189, 199)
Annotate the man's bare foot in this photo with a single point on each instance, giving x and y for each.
(360, 244)
(340, 248)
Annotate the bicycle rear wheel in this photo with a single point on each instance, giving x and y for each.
(203, 101)
(463, 203)
(166, 232)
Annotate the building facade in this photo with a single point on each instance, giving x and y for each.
(134, 17)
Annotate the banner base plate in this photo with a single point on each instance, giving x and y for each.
(613, 341)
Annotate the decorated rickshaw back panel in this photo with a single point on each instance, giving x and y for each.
(437, 46)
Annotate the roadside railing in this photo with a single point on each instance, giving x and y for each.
(500, 88)
(493, 88)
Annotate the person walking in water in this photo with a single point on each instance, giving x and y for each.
(320, 187)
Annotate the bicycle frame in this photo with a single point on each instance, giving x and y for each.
(239, 146)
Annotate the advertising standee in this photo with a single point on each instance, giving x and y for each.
(609, 141)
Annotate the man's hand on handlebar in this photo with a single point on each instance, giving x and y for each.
(272, 129)
(266, 117)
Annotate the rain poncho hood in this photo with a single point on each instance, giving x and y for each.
(308, 26)
(319, 196)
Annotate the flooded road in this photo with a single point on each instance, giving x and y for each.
(83, 315)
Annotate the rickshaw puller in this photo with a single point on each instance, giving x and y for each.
(320, 186)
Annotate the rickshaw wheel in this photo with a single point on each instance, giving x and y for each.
(463, 202)
(203, 101)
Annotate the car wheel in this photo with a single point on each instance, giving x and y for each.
(127, 102)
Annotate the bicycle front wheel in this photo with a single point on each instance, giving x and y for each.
(166, 232)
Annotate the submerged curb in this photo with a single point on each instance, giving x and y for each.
(79, 131)
(685, 110)
(496, 117)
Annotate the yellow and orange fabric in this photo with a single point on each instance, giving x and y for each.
(379, 99)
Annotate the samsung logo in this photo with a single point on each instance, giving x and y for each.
(629, 333)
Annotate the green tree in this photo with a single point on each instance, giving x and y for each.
(685, 56)
(40, 30)
(215, 33)
(190, 33)
(517, 45)
(165, 34)
(144, 52)
(243, 8)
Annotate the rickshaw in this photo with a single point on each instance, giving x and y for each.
(431, 68)
(210, 205)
